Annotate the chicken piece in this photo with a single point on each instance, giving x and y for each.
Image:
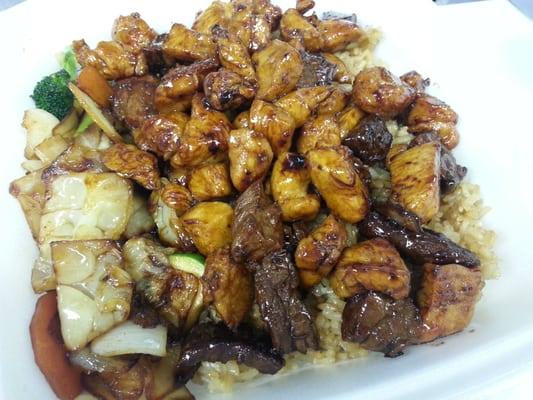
(394, 150)
(380, 323)
(209, 225)
(289, 184)
(338, 33)
(166, 105)
(205, 139)
(415, 80)
(318, 252)
(378, 91)
(342, 74)
(278, 67)
(430, 114)
(234, 57)
(447, 299)
(317, 70)
(160, 135)
(94, 292)
(133, 100)
(242, 120)
(130, 162)
(183, 80)
(301, 103)
(334, 175)
(210, 181)
(250, 156)
(133, 32)
(184, 44)
(252, 23)
(225, 90)
(111, 59)
(372, 265)
(299, 32)
(217, 15)
(166, 205)
(415, 175)
(157, 61)
(304, 5)
(370, 140)
(257, 228)
(349, 118)
(85, 206)
(175, 294)
(229, 286)
(321, 131)
(337, 101)
(274, 123)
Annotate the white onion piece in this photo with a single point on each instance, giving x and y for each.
(129, 338)
(38, 124)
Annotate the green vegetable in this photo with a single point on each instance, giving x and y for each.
(53, 95)
(188, 262)
(84, 124)
(68, 62)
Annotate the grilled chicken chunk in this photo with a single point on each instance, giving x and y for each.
(334, 175)
(229, 286)
(205, 139)
(338, 33)
(210, 182)
(276, 124)
(415, 175)
(130, 162)
(337, 101)
(133, 32)
(183, 80)
(447, 299)
(415, 80)
(321, 131)
(225, 90)
(217, 15)
(299, 32)
(161, 135)
(380, 323)
(209, 225)
(431, 114)
(278, 67)
(250, 156)
(378, 91)
(257, 229)
(349, 118)
(184, 44)
(290, 188)
(318, 253)
(234, 57)
(372, 265)
(301, 103)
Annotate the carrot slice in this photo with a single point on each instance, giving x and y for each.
(50, 352)
(95, 85)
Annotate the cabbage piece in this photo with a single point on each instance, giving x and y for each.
(94, 292)
(86, 206)
(39, 125)
(140, 221)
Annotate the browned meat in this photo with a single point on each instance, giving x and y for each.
(276, 292)
(451, 173)
(371, 140)
(225, 90)
(422, 247)
(133, 100)
(133, 32)
(380, 323)
(216, 343)
(158, 63)
(397, 213)
(318, 71)
(377, 91)
(257, 229)
(160, 135)
(415, 80)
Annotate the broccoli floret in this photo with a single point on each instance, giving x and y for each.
(53, 95)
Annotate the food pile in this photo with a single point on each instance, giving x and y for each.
(190, 191)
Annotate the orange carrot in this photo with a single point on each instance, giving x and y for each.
(95, 85)
(50, 352)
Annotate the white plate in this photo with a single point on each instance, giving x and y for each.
(479, 55)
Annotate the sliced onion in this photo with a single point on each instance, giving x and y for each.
(91, 362)
(129, 338)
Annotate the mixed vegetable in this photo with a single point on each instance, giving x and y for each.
(175, 180)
